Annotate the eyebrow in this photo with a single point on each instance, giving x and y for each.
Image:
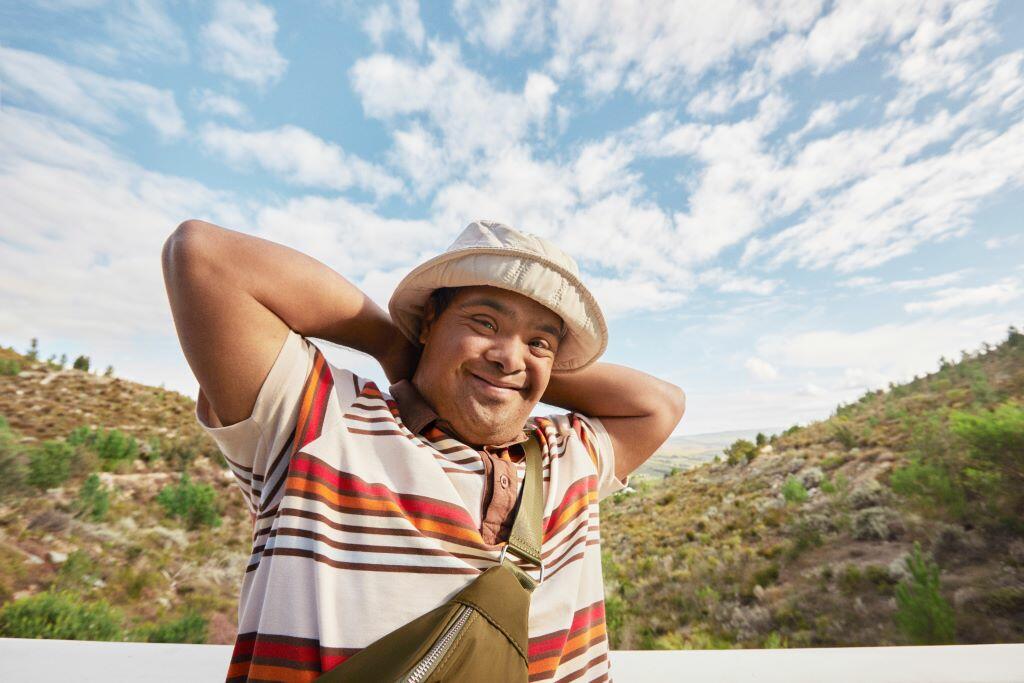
(505, 310)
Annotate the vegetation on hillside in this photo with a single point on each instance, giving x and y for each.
(898, 520)
(118, 519)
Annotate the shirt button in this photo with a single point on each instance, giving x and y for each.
(504, 481)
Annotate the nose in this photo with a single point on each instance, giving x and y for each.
(507, 353)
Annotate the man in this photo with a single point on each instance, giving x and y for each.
(371, 508)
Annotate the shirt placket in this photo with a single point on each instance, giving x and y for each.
(502, 488)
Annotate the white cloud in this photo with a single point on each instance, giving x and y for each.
(938, 55)
(823, 117)
(470, 118)
(875, 284)
(211, 102)
(353, 239)
(760, 369)
(1002, 292)
(86, 96)
(127, 30)
(651, 47)
(860, 282)
(1001, 242)
(403, 18)
(889, 209)
(937, 41)
(81, 229)
(728, 281)
(87, 267)
(505, 25)
(239, 42)
(619, 297)
(896, 350)
(927, 282)
(298, 156)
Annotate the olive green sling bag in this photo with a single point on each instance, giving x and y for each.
(481, 632)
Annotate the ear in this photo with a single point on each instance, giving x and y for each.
(427, 323)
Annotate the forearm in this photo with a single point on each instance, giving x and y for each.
(305, 294)
(609, 390)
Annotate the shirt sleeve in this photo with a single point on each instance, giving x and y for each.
(593, 436)
(607, 482)
(254, 448)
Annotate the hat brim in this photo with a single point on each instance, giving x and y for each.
(520, 271)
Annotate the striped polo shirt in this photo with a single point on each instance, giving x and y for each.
(362, 523)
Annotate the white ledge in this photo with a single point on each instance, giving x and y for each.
(43, 661)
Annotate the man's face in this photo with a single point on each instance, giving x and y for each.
(487, 335)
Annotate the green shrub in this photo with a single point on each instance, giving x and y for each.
(995, 436)
(49, 464)
(843, 433)
(82, 363)
(179, 454)
(838, 484)
(930, 485)
(793, 490)
(850, 579)
(93, 499)
(803, 536)
(9, 366)
(190, 628)
(922, 614)
(12, 470)
(193, 503)
(740, 452)
(760, 440)
(59, 615)
(112, 446)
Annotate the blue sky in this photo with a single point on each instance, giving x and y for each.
(778, 205)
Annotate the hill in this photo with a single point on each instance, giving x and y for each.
(690, 450)
(806, 538)
(71, 547)
(898, 520)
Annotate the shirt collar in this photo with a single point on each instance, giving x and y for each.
(417, 415)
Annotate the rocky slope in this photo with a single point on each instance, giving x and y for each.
(804, 542)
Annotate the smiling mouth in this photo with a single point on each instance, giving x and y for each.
(493, 389)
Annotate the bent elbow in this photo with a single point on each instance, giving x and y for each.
(678, 402)
(182, 245)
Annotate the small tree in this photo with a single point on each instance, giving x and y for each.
(109, 372)
(740, 452)
(793, 490)
(50, 464)
(193, 503)
(93, 499)
(63, 360)
(33, 350)
(923, 614)
(82, 363)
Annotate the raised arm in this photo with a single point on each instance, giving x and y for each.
(639, 410)
(234, 297)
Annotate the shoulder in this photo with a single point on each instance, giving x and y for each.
(563, 430)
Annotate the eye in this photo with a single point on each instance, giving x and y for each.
(484, 322)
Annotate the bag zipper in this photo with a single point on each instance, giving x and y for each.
(443, 644)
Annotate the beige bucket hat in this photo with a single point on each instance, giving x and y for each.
(491, 253)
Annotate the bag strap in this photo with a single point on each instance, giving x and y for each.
(525, 538)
